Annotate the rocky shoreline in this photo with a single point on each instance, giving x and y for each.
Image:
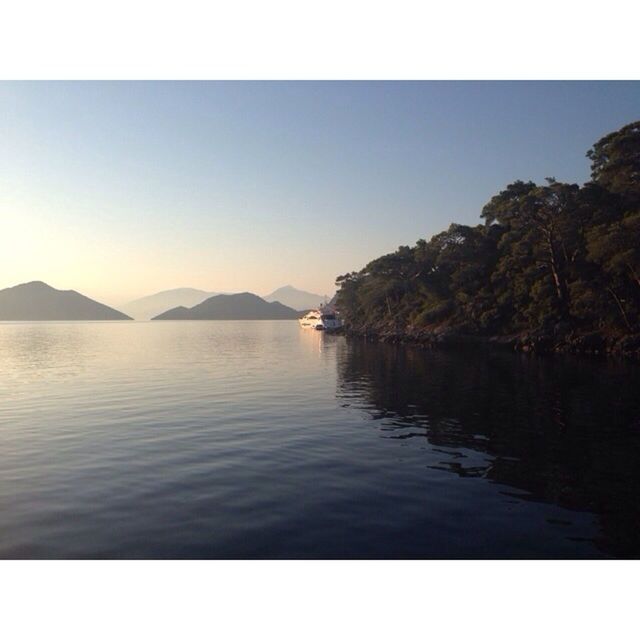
(539, 342)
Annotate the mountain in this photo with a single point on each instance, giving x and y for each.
(39, 301)
(153, 305)
(295, 298)
(235, 306)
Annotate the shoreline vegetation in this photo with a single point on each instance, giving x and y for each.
(554, 268)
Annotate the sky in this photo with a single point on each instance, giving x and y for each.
(123, 189)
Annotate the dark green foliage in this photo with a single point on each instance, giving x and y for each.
(547, 256)
(615, 163)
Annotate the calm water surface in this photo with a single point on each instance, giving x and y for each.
(260, 440)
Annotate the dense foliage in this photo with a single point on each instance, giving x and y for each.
(547, 256)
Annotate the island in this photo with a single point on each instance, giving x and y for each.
(296, 298)
(37, 301)
(235, 306)
(150, 306)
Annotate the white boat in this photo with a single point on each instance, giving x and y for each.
(322, 319)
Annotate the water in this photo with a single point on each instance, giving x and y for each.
(260, 440)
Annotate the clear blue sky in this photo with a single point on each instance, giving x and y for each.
(123, 189)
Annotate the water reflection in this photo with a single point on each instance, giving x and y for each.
(558, 431)
(40, 351)
(227, 440)
(322, 344)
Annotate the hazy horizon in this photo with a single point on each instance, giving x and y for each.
(123, 189)
(154, 294)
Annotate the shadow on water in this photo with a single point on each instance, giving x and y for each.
(559, 431)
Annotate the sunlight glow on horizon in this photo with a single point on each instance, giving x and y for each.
(120, 190)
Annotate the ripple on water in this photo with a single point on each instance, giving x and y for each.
(257, 439)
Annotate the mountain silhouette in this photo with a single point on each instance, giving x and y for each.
(38, 301)
(150, 306)
(295, 298)
(235, 306)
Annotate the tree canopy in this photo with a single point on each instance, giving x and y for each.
(547, 255)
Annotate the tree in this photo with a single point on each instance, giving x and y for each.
(542, 240)
(615, 164)
(550, 256)
(613, 240)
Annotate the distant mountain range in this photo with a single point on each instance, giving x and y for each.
(295, 298)
(39, 301)
(235, 306)
(153, 305)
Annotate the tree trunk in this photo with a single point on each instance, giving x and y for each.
(620, 307)
(633, 272)
(562, 291)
